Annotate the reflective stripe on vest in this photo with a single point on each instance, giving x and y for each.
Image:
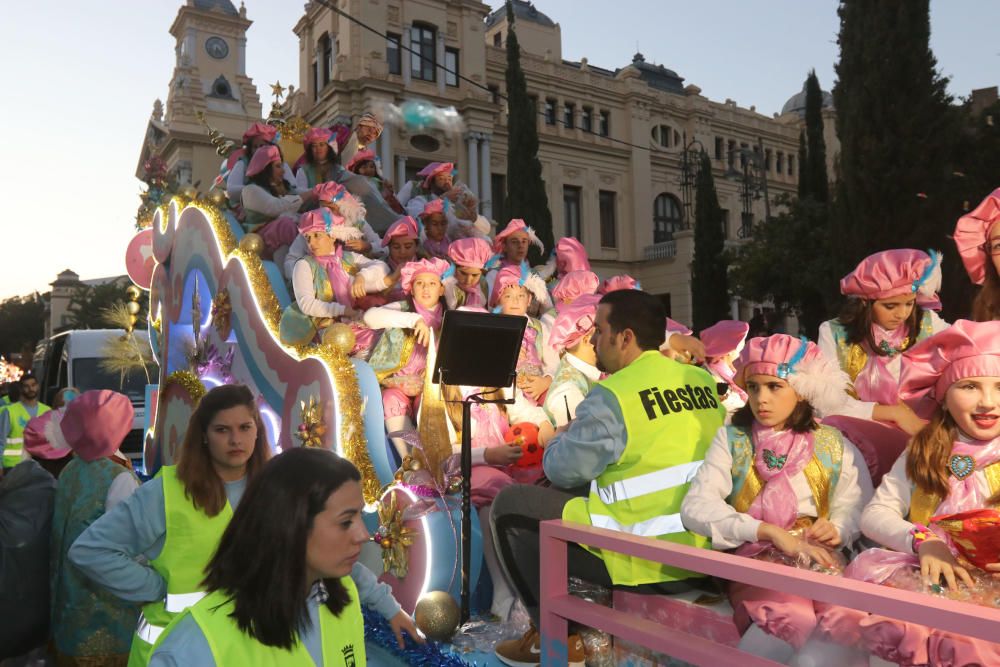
(148, 632)
(658, 480)
(10, 451)
(658, 525)
(178, 602)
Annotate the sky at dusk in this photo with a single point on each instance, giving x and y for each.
(80, 79)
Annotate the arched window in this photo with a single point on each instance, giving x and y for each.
(666, 217)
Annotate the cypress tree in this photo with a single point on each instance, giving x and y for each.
(526, 196)
(804, 190)
(709, 281)
(813, 168)
(897, 133)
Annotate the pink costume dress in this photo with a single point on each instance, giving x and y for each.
(785, 479)
(883, 521)
(488, 426)
(876, 382)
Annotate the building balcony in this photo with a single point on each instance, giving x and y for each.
(660, 250)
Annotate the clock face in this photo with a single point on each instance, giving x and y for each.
(217, 47)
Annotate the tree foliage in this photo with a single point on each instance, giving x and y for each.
(88, 304)
(813, 169)
(526, 196)
(22, 324)
(709, 283)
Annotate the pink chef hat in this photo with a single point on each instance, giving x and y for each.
(406, 228)
(574, 322)
(516, 225)
(411, 270)
(724, 337)
(359, 157)
(96, 422)
(799, 361)
(36, 437)
(439, 205)
(673, 326)
(320, 134)
(263, 157)
(507, 276)
(433, 169)
(573, 285)
(330, 192)
(894, 273)
(326, 221)
(619, 282)
(471, 252)
(570, 256)
(963, 350)
(268, 132)
(972, 233)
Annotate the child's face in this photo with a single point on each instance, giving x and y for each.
(893, 312)
(367, 169)
(468, 276)
(320, 244)
(515, 247)
(436, 225)
(772, 400)
(402, 250)
(514, 300)
(974, 404)
(427, 289)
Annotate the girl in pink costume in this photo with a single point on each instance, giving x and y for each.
(723, 342)
(402, 241)
(322, 282)
(950, 466)
(435, 222)
(400, 356)
(977, 237)
(320, 155)
(271, 204)
(512, 294)
(892, 296)
(234, 169)
(465, 286)
(776, 485)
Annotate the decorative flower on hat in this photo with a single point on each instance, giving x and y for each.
(313, 428)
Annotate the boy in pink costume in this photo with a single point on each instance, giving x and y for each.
(892, 296)
(953, 379)
(776, 484)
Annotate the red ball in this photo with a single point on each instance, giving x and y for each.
(525, 434)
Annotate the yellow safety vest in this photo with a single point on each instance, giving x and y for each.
(13, 451)
(343, 636)
(191, 539)
(671, 414)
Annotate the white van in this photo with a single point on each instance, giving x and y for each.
(73, 359)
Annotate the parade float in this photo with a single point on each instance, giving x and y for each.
(213, 317)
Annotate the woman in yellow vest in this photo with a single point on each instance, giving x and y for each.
(279, 590)
(176, 520)
(777, 486)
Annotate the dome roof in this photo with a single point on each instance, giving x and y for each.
(224, 6)
(523, 11)
(657, 76)
(797, 103)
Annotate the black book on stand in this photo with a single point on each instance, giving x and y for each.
(476, 350)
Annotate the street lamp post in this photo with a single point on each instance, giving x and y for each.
(753, 184)
(690, 164)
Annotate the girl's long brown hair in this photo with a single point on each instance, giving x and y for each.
(856, 316)
(986, 305)
(453, 403)
(202, 485)
(928, 455)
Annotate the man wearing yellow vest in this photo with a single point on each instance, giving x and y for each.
(637, 440)
(14, 417)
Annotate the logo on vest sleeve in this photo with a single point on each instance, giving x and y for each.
(658, 403)
(348, 652)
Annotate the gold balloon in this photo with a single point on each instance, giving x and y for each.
(133, 307)
(437, 615)
(190, 192)
(341, 336)
(252, 243)
(217, 197)
(133, 293)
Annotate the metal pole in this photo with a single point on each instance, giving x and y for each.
(762, 168)
(466, 505)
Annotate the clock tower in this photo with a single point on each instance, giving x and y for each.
(209, 81)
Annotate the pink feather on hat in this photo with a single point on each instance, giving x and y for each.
(96, 422)
(326, 221)
(963, 350)
(434, 266)
(972, 233)
(898, 272)
(724, 337)
(470, 252)
(264, 156)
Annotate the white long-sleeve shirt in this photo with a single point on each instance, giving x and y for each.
(372, 272)
(706, 512)
(854, 407)
(237, 180)
(391, 316)
(256, 198)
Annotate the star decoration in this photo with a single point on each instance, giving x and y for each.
(277, 90)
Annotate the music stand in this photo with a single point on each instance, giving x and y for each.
(476, 350)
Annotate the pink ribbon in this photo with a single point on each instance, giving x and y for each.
(339, 280)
